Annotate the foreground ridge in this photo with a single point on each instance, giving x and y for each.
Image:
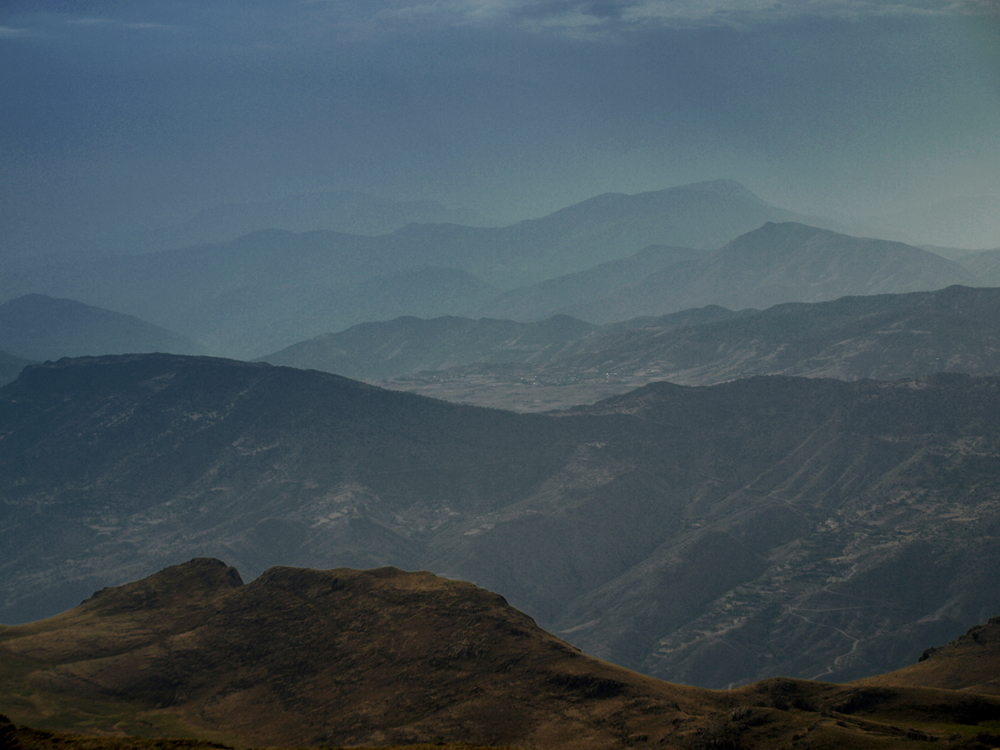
(303, 657)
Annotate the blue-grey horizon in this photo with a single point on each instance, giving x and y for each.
(127, 115)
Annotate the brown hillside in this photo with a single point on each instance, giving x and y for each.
(342, 657)
(318, 658)
(970, 663)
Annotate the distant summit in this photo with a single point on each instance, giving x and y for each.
(272, 287)
(726, 187)
(779, 262)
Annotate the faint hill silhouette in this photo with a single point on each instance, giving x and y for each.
(243, 297)
(787, 262)
(38, 327)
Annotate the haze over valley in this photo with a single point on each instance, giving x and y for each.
(770, 455)
(530, 374)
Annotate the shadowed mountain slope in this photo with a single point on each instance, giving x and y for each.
(11, 366)
(879, 336)
(39, 327)
(405, 345)
(705, 535)
(346, 657)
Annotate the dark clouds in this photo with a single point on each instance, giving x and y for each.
(124, 113)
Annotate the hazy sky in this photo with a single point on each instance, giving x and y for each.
(130, 113)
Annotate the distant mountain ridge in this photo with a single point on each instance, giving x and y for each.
(409, 344)
(38, 327)
(608, 227)
(204, 291)
(254, 320)
(879, 336)
(546, 298)
(884, 337)
(348, 212)
(787, 262)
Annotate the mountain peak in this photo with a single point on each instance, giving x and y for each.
(387, 657)
(342, 656)
(200, 578)
(723, 187)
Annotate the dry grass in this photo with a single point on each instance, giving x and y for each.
(385, 658)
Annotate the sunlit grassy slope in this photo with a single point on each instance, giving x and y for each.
(303, 657)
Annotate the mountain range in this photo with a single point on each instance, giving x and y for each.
(383, 657)
(777, 263)
(713, 536)
(336, 211)
(490, 362)
(612, 257)
(409, 344)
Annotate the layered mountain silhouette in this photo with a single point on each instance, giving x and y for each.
(377, 657)
(880, 336)
(409, 344)
(37, 327)
(778, 263)
(771, 526)
(337, 211)
(603, 280)
(255, 321)
(246, 297)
